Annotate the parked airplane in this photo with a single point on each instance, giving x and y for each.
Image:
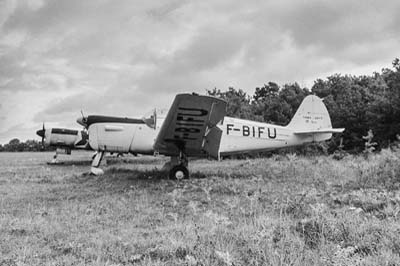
(196, 126)
(63, 139)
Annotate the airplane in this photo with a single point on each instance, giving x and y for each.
(197, 126)
(63, 139)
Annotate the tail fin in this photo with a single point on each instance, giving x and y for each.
(312, 117)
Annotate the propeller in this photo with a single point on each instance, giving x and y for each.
(82, 120)
(41, 133)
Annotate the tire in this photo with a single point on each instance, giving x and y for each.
(179, 172)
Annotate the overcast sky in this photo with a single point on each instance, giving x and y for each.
(126, 57)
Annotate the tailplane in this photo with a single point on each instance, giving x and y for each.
(312, 118)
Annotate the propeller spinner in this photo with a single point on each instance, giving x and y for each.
(82, 120)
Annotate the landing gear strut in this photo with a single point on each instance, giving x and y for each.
(178, 167)
(59, 151)
(54, 161)
(95, 170)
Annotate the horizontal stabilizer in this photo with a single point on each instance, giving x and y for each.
(327, 130)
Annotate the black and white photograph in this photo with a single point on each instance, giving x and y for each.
(198, 133)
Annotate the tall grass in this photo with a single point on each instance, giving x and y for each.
(284, 210)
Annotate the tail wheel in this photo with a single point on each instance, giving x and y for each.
(179, 172)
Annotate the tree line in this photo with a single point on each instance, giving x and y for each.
(358, 103)
(15, 145)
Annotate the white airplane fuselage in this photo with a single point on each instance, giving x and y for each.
(238, 135)
(122, 137)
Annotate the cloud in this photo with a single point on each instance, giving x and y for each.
(209, 49)
(2, 117)
(339, 29)
(160, 12)
(19, 131)
(126, 103)
(13, 129)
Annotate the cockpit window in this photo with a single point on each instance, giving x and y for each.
(156, 114)
(150, 119)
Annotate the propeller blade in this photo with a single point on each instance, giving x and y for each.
(83, 120)
(42, 133)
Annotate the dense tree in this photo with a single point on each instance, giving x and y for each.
(363, 103)
(29, 145)
(277, 105)
(267, 105)
(385, 110)
(15, 145)
(269, 90)
(347, 102)
(238, 102)
(291, 96)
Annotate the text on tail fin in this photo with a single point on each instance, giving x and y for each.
(311, 115)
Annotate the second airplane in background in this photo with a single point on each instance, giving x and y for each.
(196, 126)
(64, 139)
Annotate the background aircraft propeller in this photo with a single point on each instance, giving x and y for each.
(41, 133)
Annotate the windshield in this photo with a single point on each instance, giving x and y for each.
(150, 118)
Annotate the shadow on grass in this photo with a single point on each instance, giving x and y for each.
(145, 160)
(70, 163)
(133, 174)
(111, 161)
(152, 174)
(118, 180)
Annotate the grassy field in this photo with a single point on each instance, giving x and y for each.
(284, 210)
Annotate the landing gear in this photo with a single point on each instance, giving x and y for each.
(95, 170)
(179, 172)
(54, 161)
(59, 151)
(177, 167)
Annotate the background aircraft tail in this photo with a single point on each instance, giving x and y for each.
(312, 118)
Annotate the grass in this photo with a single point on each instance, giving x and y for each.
(284, 210)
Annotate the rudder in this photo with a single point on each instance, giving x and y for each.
(311, 115)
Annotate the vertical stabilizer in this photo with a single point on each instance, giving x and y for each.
(312, 117)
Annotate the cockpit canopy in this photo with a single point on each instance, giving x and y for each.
(151, 117)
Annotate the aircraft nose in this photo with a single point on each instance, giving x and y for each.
(40, 133)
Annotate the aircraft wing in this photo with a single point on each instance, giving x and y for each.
(327, 130)
(190, 126)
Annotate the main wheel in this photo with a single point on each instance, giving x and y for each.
(179, 172)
